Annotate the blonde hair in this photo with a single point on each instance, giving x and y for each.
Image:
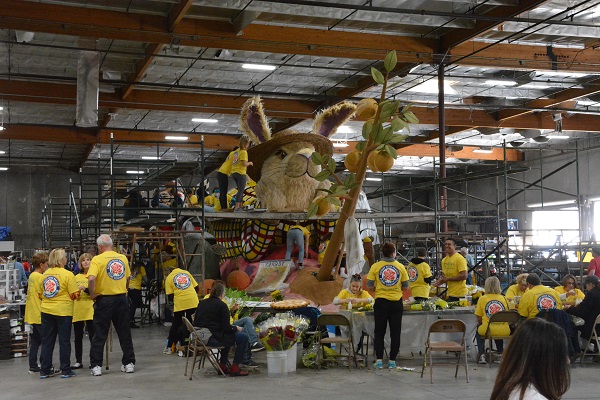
(55, 258)
(85, 256)
(492, 285)
(244, 142)
(521, 278)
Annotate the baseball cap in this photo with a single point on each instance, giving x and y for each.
(593, 279)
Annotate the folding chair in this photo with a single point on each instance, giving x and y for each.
(348, 343)
(593, 337)
(446, 326)
(510, 317)
(197, 347)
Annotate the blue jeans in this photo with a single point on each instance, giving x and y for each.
(241, 348)
(248, 326)
(53, 325)
(295, 236)
(113, 309)
(35, 342)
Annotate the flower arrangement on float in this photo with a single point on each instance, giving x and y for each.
(282, 331)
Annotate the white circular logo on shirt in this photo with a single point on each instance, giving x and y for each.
(115, 269)
(492, 307)
(389, 275)
(413, 273)
(546, 302)
(182, 281)
(51, 287)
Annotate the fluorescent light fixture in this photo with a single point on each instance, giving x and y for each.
(551, 203)
(150, 158)
(373, 179)
(2, 152)
(259, 67)
(344, 129)
(569, 209)
(1, 108)
(1, 128)
(3, 168)
(205, 120)
(558, 137)
(483, 150)
(136, 172)
(413, 168)
(493, 82)
(340, 144)
(176, 137)
(431, 87)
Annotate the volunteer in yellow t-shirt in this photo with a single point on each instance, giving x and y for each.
(108, 279)
(419, 275)
(300, 235)
(184, 289)
(519, 288)
(33, 304)
(83, 310)
(538, 298)
(58, 291)
(239, 163)
(389, 278)
(223, 179)
(454, 272)
(488, 305)
(569, 294)
(354, 294)
(138, 274)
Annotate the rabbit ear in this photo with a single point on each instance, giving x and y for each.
(328, 120)
(253, 121)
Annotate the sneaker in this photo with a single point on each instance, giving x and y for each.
(77, 366)
(180, 353)
(249, 364)
(236, 371)
(129, 368)
(378, 364)
(392, 364)
(44, 375)
(35, 370)
(482, 359)
(257, 346)
(97, 370)
(167, 350)
(68, 374)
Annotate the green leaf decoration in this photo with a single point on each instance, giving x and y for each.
(387, 134)
(316, 158)
(390, 61)
(377, 76)
(312, 209)
(366, 129)
(323, 175)
(349, 180)
(396, 138)
(335, 201)
(376, 133)
(388, 108)
(360, 146)
(325, 190)
(331, 165)
(410, 117)
(398, 124)
(391, 151)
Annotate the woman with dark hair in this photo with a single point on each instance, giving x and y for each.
(569, 293)
(535, 364)
(588, 309)
(389, 279)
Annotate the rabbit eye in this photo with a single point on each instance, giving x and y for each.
(281, 154)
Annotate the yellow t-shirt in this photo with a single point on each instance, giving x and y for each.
(304, 230)
(571, 299)
(347, 294)
(83, 306)
(513, 290)
(538, 298)
(181, 284)
(225, 168)
(416, 275)
(111, 271)
(322, 248)
(57, 285)
(451, 267)
(135, 282)
(487, 306)
(237, 156)
(388, 277)
(33, 304)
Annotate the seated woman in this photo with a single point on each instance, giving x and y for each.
(488, 305)
(588, 309)
(213, 314)
(569, 294)
(354, 295)
(519, 288)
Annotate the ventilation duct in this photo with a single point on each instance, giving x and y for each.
(88, 77)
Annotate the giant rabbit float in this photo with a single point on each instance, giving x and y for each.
(284, 175)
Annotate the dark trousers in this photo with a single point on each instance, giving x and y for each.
(35, 341)
(241, 348)
(113, 309)
(240, 183)
(53, 325)
(481, 344)
(135, 300)
(78, 330)
(387, 311)
(174, 333)
(223, 181)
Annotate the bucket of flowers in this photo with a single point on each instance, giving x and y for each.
(279, 334)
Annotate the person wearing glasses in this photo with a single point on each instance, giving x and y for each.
(588, 309)
(569, 294)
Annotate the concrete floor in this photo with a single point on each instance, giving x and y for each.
(160, 376)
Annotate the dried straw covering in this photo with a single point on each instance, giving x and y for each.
(320, 293)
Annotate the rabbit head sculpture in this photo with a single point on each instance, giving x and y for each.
(282, 169)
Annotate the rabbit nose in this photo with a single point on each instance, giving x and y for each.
(299, 165)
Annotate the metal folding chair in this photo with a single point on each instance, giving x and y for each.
(340, 342)
(510, 317)
(446, 326)
(197, 347)
(593, 337)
